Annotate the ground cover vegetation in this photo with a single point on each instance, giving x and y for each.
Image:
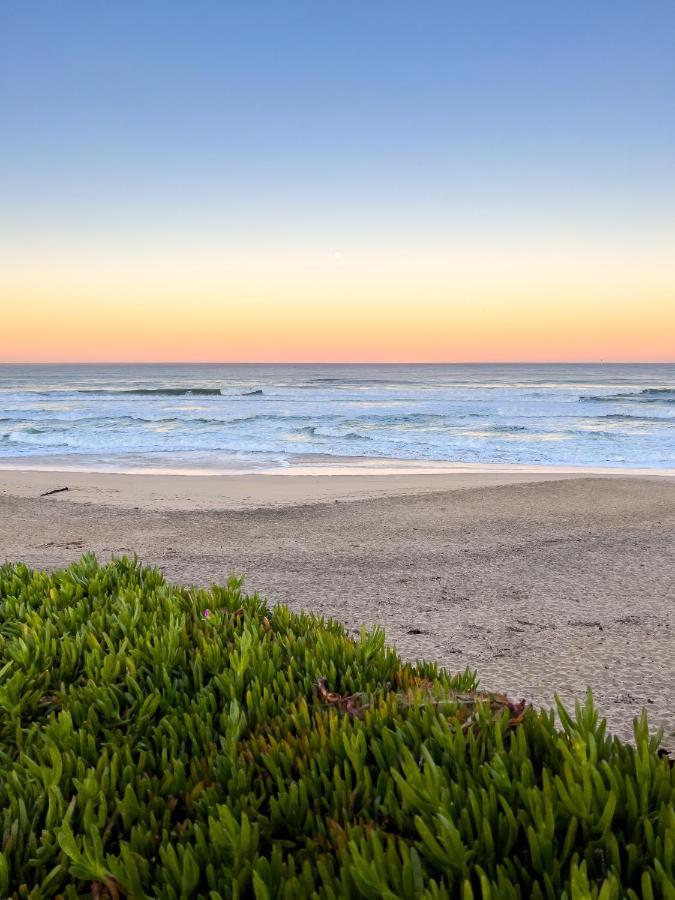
(161, 741)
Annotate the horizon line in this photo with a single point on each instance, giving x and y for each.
(486, 362)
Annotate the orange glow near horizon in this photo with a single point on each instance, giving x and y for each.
(524, 302)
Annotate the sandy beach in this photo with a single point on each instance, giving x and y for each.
(543, 581)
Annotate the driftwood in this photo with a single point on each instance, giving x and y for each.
(55, 491)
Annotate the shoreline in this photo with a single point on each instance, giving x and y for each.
(292, 487)
(317, 464)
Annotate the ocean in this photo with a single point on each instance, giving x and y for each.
(247, 417)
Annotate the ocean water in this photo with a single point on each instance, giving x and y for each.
(191, 417)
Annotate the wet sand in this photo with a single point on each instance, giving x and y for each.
(544, 582)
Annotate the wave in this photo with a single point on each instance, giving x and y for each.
(669, 392)
(626, 417)
(647, 395)
(155, 392)
(508, 429)
(355, 436)
(22, 438)
(98, 422)
(326, 381)
(376, 420)
(282, 419)
(361, 382)
(310, 431)
(21, 428)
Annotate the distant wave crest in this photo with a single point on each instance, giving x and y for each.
(159, 392)
(625, 417)
(647, 395)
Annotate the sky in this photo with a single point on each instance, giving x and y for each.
(337, 182)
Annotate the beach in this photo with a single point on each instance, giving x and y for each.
(543, 580)
(337, 451)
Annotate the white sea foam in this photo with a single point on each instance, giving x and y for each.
(200, 417)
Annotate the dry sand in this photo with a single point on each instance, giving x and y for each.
(543, 581)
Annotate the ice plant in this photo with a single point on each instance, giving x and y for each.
(292, 761)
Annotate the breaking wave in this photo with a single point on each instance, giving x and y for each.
(647, 395)
(155, 392)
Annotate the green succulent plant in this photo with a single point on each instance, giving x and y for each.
(168, 742)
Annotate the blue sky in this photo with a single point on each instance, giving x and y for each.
(491, 108)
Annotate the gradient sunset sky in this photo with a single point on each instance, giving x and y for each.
(323, 181)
